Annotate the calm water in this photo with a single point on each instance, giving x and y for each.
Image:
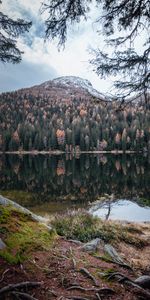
(111, 186)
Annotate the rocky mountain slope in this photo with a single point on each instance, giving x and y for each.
(65, 88)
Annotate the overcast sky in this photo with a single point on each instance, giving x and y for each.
(42, 61)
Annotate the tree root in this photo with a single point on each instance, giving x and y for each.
(140, 290)
(53, 293)
(89, 275)
(12, 287)
(23, 296)
(77, 298)
(130, 282)
(100, 291)
(3, 275)
(98, 296)
(115, 274)
(109, 260)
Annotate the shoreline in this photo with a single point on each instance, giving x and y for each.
(59, 152)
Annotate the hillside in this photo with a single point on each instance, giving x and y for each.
(76, 257)
(68, 114)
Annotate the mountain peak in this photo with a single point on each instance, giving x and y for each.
(74, 82)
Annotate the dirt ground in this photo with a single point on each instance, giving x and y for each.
(62, 273)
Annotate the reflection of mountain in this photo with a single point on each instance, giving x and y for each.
(60, 178)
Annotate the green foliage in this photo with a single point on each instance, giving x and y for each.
(85, 227)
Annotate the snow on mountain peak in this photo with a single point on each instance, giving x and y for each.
(72, 80)
(78, 82)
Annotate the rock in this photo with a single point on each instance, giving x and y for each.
(92, 246)
(143, 281)
(2, 245)
(110, 250)
(7, 202)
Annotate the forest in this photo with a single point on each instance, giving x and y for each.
(30, 122)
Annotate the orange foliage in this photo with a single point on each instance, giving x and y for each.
(83, 112)
(60, 133)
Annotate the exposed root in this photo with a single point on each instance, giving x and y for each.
(74, 263)
(117, 274)
(12, 287)
(98, 296)
(23, 296)
(3, 275)
(89, 275)
(125, 279)
(77, 298)
(100, 291)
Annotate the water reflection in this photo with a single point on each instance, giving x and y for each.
(36, 180)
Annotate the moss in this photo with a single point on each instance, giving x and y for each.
(23, 236)
(4, 214)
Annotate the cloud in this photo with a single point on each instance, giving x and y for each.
(42, 61)
(25, 74)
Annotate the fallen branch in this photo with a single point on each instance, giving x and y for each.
(21, 285)
(89, 275)
(23, 295)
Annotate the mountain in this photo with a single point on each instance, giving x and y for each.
(68, 114)
(65, 88)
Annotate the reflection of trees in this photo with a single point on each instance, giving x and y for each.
(51, 177)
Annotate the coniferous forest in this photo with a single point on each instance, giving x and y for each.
(30, 122)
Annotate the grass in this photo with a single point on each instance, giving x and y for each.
(84, 227)
(22, 235)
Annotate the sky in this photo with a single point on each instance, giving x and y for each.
(43, 61)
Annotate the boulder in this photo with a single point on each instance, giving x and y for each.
(143, 281)
(111, 251)
(7, 202)
(92, 246)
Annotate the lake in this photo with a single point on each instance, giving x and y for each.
(109, 186)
